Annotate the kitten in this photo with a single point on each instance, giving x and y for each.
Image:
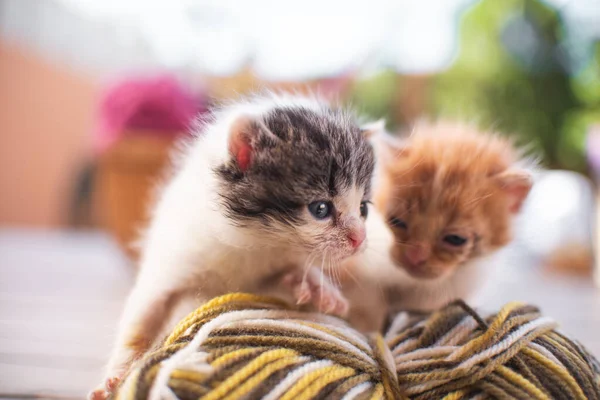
(446, 198)
(269, 192)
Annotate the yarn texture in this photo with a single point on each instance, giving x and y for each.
(242, 346)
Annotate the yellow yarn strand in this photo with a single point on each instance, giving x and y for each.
(521, 382)
(243, 374)
(378, 393)
(263, 374)
(193, 376)
(226, 358)
(455, 395)
(318, 384)
(306, 380)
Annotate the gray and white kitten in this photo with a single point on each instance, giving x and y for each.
(270, 191)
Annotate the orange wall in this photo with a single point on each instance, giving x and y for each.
(46, 115)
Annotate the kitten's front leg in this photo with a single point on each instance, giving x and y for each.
(314, 287)
(147, 309)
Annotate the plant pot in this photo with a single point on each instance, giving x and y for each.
(128, 176)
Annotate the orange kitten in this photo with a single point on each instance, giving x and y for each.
(446, 197)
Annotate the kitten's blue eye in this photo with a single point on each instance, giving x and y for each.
(320, 209)
(397, 223)
(455, 240)
(364, 209)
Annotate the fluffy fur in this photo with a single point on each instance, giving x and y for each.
(446, 197)
(234, 216)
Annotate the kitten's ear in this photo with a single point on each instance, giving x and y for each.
(516, 183)
(372, 129)
(390, 148)
(243, 131)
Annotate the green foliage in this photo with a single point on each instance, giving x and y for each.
(374, 96)
(571, 145)
(586, 84)
(525, 93)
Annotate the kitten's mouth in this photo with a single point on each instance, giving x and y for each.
(422, 271)
(357, 250)
(341, 254)
(345, 253)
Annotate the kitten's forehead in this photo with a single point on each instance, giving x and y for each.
(440, 190)
(323, 150)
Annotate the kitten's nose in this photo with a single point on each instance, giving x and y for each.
(357, 237)
(416, 254)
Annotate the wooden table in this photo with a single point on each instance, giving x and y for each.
(61, 294)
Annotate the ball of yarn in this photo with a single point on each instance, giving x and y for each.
(516, 353)
(242, 346)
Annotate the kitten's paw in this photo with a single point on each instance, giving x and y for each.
(98, 394)
(105, 390)
(303, 293)
(301, 288)
(332, 301)
(112, 383)
(317, 289)
(325, 296)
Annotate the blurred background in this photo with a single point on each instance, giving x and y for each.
(93, 94)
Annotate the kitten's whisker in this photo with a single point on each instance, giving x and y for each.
(335, 266)
(329, 270)
(331, 273)
(354, 278)
(381, 290)
(478, 199)
(308, 264)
